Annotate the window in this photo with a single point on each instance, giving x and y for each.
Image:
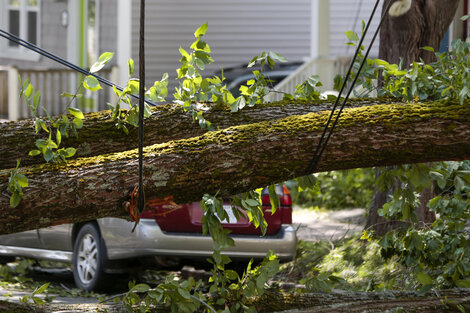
(21, 18)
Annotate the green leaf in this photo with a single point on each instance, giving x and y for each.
(76, 112)
(78, 123)
(352, 36)
(102, 61)
(423, 278)
(58, 137)
(70, 152)
(34, 152)
(463, 283)
(184, 293)
(37, 98)
(133, 118)
(91, 83)
(22, 180)
(201, 31)
(131, 66)
(252, 202)
(274, 198)
(15, 200)
(231, 274)
(29, 91)
(140, 288)
(68, 95)
(427, 48)
(41, 289)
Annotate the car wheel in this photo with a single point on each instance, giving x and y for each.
(88, 259)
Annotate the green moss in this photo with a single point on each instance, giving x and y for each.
(389, 116)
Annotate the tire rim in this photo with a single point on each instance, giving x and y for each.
(87, 261)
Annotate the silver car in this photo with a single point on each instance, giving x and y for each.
(168, 235)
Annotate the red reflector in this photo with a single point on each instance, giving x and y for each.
(285, 200)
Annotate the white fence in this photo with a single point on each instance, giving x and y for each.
(51, 83)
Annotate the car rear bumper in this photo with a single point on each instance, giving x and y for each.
(149, 240)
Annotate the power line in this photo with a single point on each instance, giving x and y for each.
(13, 38)
(322, 145)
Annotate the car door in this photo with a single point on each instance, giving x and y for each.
(56, 237)
(25, 239)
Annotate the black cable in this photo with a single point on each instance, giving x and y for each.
(141, 103)
(11, 37)
(312, 165)
(318, 153)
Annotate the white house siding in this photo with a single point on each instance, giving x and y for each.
(238, 30)
(347, 15)
(108, 27)
(53, 36)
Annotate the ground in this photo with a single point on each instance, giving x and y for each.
(311, 226)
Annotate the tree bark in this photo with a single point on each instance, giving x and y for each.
(408, 27)
(100, 135)
(350, 302)
(412, 25)
(238, 159)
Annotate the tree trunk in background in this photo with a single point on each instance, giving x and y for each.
(409, 26)
(238, 159)
(405, 32)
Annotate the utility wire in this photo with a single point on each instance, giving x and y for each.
(13, 38)
(322, 145)
(141, 203)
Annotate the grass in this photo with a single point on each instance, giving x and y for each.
(348, 264)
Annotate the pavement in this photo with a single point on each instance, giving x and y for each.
(327, 226)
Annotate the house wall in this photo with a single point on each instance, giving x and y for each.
(347, 15)
(108, 27)
(53, 36)
(238, 31)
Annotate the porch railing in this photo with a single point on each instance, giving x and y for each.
(326, 68)
(51, 83)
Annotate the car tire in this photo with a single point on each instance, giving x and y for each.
(89, 258)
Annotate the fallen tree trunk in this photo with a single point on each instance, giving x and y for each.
(238, 159)
(453, 300)
(100, 135)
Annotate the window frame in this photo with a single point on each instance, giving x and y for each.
(20, 52)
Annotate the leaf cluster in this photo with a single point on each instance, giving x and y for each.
(438, 252)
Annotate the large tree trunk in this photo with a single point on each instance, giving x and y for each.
(100, 135)
(413, 24)
(238, 159)
(409, 26)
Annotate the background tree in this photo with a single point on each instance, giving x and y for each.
(409, 26)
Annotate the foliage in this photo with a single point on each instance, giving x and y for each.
(228, 292)
(336, 190)
(438, 253)
(348, 264)
(16, 183)
(34, 298)
(130, 116)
